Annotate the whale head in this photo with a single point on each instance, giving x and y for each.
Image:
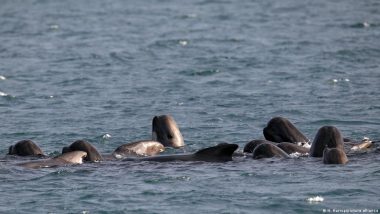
(334, 156)
(327, 136)
(25, 148)
(165, 130)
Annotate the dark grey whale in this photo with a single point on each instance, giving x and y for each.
(328, 143)
(219, 153)
(327, 136)
(25, 148)
(250, 146)
(280, 129)
(80, 145)
(289, 148)
(334, 156)
(268, 150)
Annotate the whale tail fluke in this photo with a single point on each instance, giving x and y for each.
(219, 153)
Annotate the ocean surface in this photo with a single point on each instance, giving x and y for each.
(100, 70)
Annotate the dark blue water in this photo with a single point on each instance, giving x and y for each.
(81, 69)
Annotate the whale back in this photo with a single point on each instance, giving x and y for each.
(74, 157)
(80, 145)
(280, 129)
(25, 148)
(219, 153)
(249, 147)
(165, 130)
(139, 148)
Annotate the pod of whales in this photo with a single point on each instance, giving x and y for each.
(281, 136)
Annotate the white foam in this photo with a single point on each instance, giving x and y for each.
(297, 154)
(118, 156)
(340, 80)
(355, 148)
(315, 199)
(366, 24)
(106, 136)
(54, 27)
(183, 42)
(2, 77)
(2, 94)
(304, 144)
(365, 138)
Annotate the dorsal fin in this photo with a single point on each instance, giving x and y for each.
(220, 152)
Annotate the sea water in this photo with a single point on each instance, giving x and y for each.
(101, 70)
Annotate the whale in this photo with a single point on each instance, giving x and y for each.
(366, 143)
(268, 150)
(289, 148)
(138, 148)
(219, 153)
(166, 131)
(69, 158)
(80, 145)
(327, 136)
(25, 148)
(280, 129)
(250, 146)
(334, 156)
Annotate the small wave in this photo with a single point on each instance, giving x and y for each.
(207, 72)
(297, 155)
(2, 77)
(361, 25)
(54, 27)
(304, 144)
(189, 16)
(2, 94)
